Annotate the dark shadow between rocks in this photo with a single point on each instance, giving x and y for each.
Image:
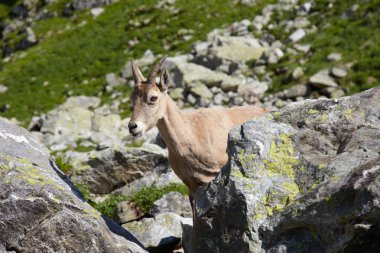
(66, 179)
(167, 245)
(117, 229)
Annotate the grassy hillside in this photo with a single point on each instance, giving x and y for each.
(84, 48)
(74, 54)
(356, 37)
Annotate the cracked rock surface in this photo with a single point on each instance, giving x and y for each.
(40, 209)
(303, 179)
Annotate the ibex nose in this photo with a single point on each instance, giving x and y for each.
(131, 126)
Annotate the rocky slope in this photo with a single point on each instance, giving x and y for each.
(303, 179)
(266, 46)
(65, 74)
(41, 210)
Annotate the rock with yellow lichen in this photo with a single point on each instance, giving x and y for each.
(40, 209)
(304, 179)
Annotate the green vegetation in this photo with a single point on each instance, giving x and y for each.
(356, 38)
(109, 206)
(64, 166)
(144, 199)
(71, 51)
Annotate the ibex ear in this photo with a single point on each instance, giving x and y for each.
(164, 80)
(137, 75)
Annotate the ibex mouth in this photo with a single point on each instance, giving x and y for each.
(136, 134)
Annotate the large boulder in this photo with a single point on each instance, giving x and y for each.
(108, 169)
(41, 211)
(304, 179)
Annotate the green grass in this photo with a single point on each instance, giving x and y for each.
(67, 57)
(144, 199)
(64, 166)
(357, 38)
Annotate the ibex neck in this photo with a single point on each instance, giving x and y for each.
(173, 126)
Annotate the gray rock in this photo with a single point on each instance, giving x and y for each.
(103, 171)
(237, 49)
(322, 79)
(3, 89)
(297, 73)
(191, 99)
(41, 210)
(159, 177)
(297, 35)
(302, 48)
(338, 72)
(96, 11)
(173, 202)
(177, 93)
(69, 122)
(334, 57)
(220, 99)
(113, 80)
(30, 36)
(88, 4)
(142, 63)
(304, 179)
(299, 90)
(252, 91)
(187, 74)
(201, 90)
(159, 234)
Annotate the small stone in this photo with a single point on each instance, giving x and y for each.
(3, 89)
(336, 93)
(236, 100)
(297, 35)
(322, 80)
(259, 69)
(191, 99)
(201, 90)
(338, 72)
(112, 80)
(203, 102)
(173, 202)
(302, 47)
(159, 234)
(334, 57)
(220, 99)
(297, 73)
(176, 93)
(31, 37)
(280, 103)
(299, 90)
(96, 11)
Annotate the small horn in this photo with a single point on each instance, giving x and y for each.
(137, 75)
(152, 75)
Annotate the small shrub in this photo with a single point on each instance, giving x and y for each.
(64, 166)
(109, 206)
(145, 198)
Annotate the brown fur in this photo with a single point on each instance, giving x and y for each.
(197, 141)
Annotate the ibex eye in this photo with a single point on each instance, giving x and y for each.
(153, 98)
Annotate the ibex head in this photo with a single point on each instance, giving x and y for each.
(147, 99)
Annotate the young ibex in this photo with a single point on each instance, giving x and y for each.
(197, 141)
